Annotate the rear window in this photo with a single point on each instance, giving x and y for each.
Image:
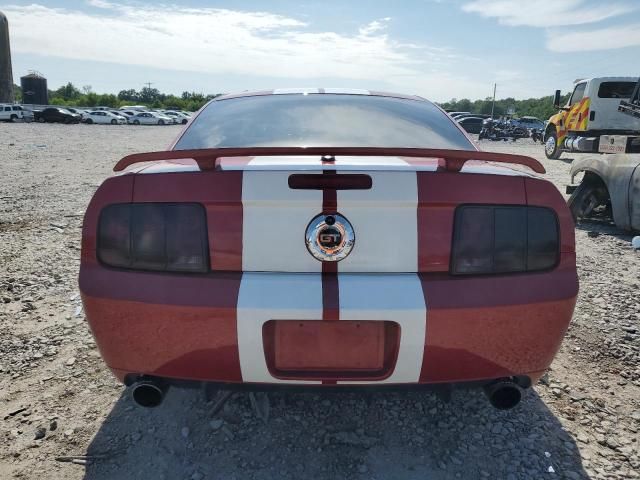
(616, 89)
(319, 120)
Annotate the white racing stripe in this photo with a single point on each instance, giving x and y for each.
(385, 223)
(347, 91)
(272, 296)
(398, 298)
(275, 218)
(286, 91)
(314, 162)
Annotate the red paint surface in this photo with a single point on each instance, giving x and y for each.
(494, 326)
(168, 325)
(330, 288)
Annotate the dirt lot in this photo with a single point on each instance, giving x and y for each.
(57, 398)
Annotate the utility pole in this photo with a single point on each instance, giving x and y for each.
(148, 84)
(493, 104)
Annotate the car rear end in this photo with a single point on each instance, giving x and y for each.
(203, 268)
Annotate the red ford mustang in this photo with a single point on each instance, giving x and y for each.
(327, 238)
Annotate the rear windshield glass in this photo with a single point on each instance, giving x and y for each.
(322, 120)
(616, 89)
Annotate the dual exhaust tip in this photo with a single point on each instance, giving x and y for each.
(148, 393)
(502, 394)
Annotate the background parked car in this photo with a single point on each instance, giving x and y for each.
(56, 115)
(151, 118)
(102, 116)
(528, 123)
(471, 124)
(179, 116)
(120, 113)
(82, 113)
(453, 114)
(14, 113)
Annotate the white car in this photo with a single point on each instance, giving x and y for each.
(179, 116)
(14, 113)
(151, 118)
(102, 116)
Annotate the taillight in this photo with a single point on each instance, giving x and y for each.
(502, 239)
(154, 236)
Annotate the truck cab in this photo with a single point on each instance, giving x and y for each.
(591, 122)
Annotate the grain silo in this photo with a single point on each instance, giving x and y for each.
(34, 89)
(6, 75)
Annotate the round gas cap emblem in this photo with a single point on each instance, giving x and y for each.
(329, 238)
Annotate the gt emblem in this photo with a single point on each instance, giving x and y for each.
(329, 238)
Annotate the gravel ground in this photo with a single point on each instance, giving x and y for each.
(58, 400)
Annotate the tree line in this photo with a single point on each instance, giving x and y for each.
(71, 96)
(541, 108)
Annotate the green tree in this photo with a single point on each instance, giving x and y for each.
(67, 92)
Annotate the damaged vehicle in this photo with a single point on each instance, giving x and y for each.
(609, 190)
(328, 239)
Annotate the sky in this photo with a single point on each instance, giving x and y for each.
(439, 49)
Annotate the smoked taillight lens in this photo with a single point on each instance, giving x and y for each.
(154, 236)
(502, 239)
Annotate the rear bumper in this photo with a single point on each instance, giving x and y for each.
(208, 328)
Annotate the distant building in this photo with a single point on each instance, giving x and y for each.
(6, 74)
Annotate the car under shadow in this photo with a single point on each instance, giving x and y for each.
(390, 435)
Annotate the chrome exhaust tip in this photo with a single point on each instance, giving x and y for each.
(148, 393)
(503, 394)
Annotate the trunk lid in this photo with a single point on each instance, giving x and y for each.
(259, 209)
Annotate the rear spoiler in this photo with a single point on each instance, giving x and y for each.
(453, 160)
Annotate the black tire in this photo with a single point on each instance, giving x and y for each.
(114, 122)
(136, 122)
(40, 120)
(89, 121)
(586, 197)
(13, 118)
(551, 149)
(160, 122)
(184, 121)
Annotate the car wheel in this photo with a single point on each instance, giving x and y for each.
(114, 122)
(551, 148)
(160, 122)
(14, 118)
(184, 121)
(587, 198)
(136, 122)
(40, 120)
(89, 121)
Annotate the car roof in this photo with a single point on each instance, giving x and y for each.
(317, 91)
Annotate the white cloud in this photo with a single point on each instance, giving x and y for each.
(375, 26)
(222, 41)
(602, 39)
(546, 13)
